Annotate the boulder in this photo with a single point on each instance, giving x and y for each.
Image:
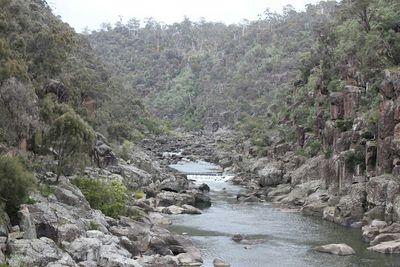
(351, 206)
(220, 263)
(337, 249)
(204, 188)
(201, 200)
(70, 195)
(26, 223)
(174, 184)
(299, 194)
(384, 237)
(382, 191)
(388, 247)
(135, 177)
(309, 171)
(188, 209)
(5, 224)
(35, 252)
(173, 209)
(102, 153)
(369, 233)
(157, 260)
(271, 174)
(158, 219)
(393, 228)
(167, 198)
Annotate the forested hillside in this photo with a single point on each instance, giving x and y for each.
(42, 56)
(261, 76)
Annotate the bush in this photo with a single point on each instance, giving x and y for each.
(107, 196)
(354, 158)
(344, 125)
(15, 184)
(312, 148)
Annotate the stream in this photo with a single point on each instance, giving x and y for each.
(285, 238)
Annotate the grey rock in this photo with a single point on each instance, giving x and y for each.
(157, 260)
(336, 249)
(35, 252)
(271, 174)
(26, 223)
(220, 263)
(388, 247)
(5, 224)
(384, 237)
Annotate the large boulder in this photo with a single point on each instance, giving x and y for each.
(167, 198)
(384, 237)
(5, 224)
(271, 174)
(351, 206)
(174, 184)
(298, 196)
(102, 153)
(309, 171)
(36, 252)
(382, 191)
(65, 215)
(388, 247)
(337, 249)
(135, 177)
(26, 223)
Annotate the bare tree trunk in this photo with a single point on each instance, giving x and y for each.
(23, 143)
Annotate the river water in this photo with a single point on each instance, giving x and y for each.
(286, 238)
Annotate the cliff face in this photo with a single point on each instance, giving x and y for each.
(354, 179)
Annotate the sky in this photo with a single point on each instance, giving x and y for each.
(91, 13)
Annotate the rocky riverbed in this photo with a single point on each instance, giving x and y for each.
(61, 229)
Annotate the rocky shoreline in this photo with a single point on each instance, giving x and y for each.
(60, 228)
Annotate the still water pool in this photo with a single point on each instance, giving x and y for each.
(288, 238)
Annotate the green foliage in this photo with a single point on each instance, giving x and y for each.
(312, 148)
(69, 135)
(125, 150)
(107, 196)
(46, 190)
(355, 157)
(138, 194)
(344, 125)
(15, 183)
(93, 226)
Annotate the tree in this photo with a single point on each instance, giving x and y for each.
(15, 184)
(21, 103)
(69, 135)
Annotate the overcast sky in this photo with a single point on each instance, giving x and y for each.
(91, 13)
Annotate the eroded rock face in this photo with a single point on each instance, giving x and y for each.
(310, 170)
(351, 99)
(382, 191)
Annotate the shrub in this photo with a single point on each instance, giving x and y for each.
(354, 158)
(138, 194)
(312, 148)
(93, 226)
(46, 190)
(344, 125)
(107, 196)
(15, 183)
